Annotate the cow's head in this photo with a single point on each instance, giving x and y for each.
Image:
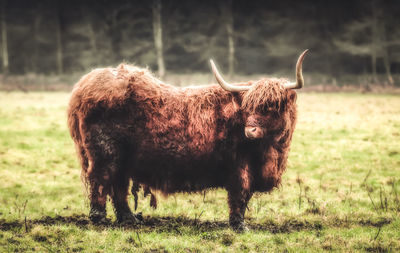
(266, 103)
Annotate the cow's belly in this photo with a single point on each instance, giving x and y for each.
(176, 161)
(178, 174)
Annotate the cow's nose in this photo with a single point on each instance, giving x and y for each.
(253, 132)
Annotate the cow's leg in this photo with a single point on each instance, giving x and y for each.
(105, 155)
(239, 194)
(99, 185)
(98, 177)
(120, 201)
(238, 200)
(98, 199)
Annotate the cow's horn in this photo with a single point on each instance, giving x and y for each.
(226, 86)
(299, 74)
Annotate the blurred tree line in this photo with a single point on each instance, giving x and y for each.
(354, 37)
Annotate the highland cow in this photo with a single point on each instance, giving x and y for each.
(127, 124)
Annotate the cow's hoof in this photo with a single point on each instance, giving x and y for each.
(98, 217)
(240, 228)
(139, 216)
(128, 219)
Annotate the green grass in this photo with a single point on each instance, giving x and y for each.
(341, 190)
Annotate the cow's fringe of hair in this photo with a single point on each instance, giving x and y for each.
(266, 92)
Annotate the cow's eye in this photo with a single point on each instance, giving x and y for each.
(265, 110)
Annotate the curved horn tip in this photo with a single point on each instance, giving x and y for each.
(225, 85)
(299, 70)
(304, 53)
(299, 73)
(212, 64)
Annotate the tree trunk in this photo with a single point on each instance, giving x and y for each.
(228, 16)
(59, 45)
(157, 30)
(379, 43)
(386, 62)
(385, 53)
(90, 18)
(374, 41)
(115, 35)
(373, 66)
(4, 47)
(93, 42)
(35, 61)
(325, 30)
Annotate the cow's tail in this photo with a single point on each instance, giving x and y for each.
(74, 126)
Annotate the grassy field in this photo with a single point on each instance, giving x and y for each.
(341, 190)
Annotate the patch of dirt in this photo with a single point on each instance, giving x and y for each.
(6, 226)
(79, 220)
(378, 249)
(287, 226)
(175, 224)
(375, 223)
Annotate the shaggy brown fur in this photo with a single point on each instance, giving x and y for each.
(128, 124)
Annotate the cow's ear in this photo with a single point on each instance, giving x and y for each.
(237, 98)
(292, 95)
(230, 109)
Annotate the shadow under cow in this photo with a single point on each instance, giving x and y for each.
(175, 224)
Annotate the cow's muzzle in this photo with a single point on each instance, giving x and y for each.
(253, 132)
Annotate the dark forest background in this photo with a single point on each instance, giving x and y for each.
(350, 42)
